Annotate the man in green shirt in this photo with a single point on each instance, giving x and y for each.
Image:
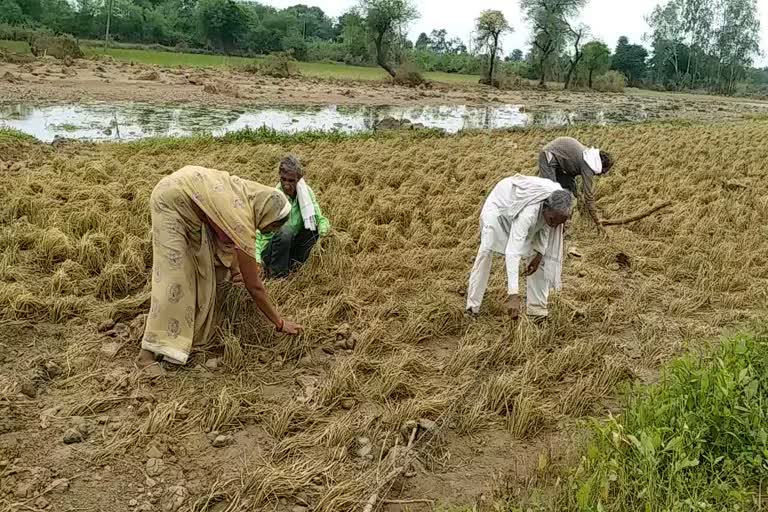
(283, 251)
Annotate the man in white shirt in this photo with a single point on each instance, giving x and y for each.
(523, 216)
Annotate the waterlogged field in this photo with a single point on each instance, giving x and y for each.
(322, 420)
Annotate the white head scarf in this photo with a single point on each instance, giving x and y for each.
(592, 157)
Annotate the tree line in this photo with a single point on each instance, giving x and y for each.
(695, 44)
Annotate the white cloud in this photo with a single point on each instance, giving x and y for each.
(607, 19)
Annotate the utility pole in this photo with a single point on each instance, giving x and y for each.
(109, 19)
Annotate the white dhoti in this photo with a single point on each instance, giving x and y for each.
(518, 232)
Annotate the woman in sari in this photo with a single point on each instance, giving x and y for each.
(204, 223)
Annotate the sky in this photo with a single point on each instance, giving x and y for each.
(607, 19)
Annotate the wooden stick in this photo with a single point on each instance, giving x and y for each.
(409, 502)
(392, 474)
(639, 216)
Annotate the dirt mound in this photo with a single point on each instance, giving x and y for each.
(388, 357)
(409, 75)
(222, 87)
(59, 47)
(390, 123)
(10, 77)
(149, 76)
(15, 58)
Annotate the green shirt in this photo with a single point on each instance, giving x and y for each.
(295, 222)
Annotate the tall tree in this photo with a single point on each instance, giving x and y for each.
(666, 23)
(577, 40)
(222, 22)
(11, 13)
(438, 41)
(354, 36)
(704, 43)
(386, 19)
(630, 59)
(516, 55)
(311, 22)
(737, 42)
(597, 59)
(32, 9)
(697, 26)
(550, 20)
(490, 26)
(423, 42)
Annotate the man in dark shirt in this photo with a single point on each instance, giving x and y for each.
(565, 158)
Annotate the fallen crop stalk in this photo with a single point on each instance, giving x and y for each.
(639, 216)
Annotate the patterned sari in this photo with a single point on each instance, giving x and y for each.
(188, 258)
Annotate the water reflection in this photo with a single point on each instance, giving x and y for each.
(130, 121)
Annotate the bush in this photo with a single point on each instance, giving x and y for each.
(698, 440)
(319, 51)
(408, 75)
(612, 81)
(446, 62)
(55, 46)
(20, 33)
(277, 65)
(510, 81)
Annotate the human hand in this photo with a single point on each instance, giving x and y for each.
(291, 328)
(513, 306)
(237, 278)
(533, 266)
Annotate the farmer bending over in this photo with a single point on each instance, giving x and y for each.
(565, 158)
(522, 217)
(204, 225)
(284, 250)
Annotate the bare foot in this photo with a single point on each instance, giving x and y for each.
(147, 364)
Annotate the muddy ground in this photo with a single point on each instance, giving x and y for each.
(85, 80)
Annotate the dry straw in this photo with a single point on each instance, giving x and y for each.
(75, 244)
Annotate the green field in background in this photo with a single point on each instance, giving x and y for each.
(309, 69)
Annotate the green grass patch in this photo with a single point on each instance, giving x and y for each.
(15, 46)
(169, 59)
(309, 69)
(11, 135)
(192, 60)
(264, 135)
(698, 440)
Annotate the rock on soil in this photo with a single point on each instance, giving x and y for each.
(72, 436)
(120, 330)
(137, 326)
(106, 325)
(174, 498)
(364, 449)
(149, 76)
(10, 77)
(111, 348)
(153, 452)
(24, 489)
(212, 363)
(28, 389)
(53, 370)
(428, 425)
(222, 441)
(155, 467)
(407, 429)
(59, 485)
